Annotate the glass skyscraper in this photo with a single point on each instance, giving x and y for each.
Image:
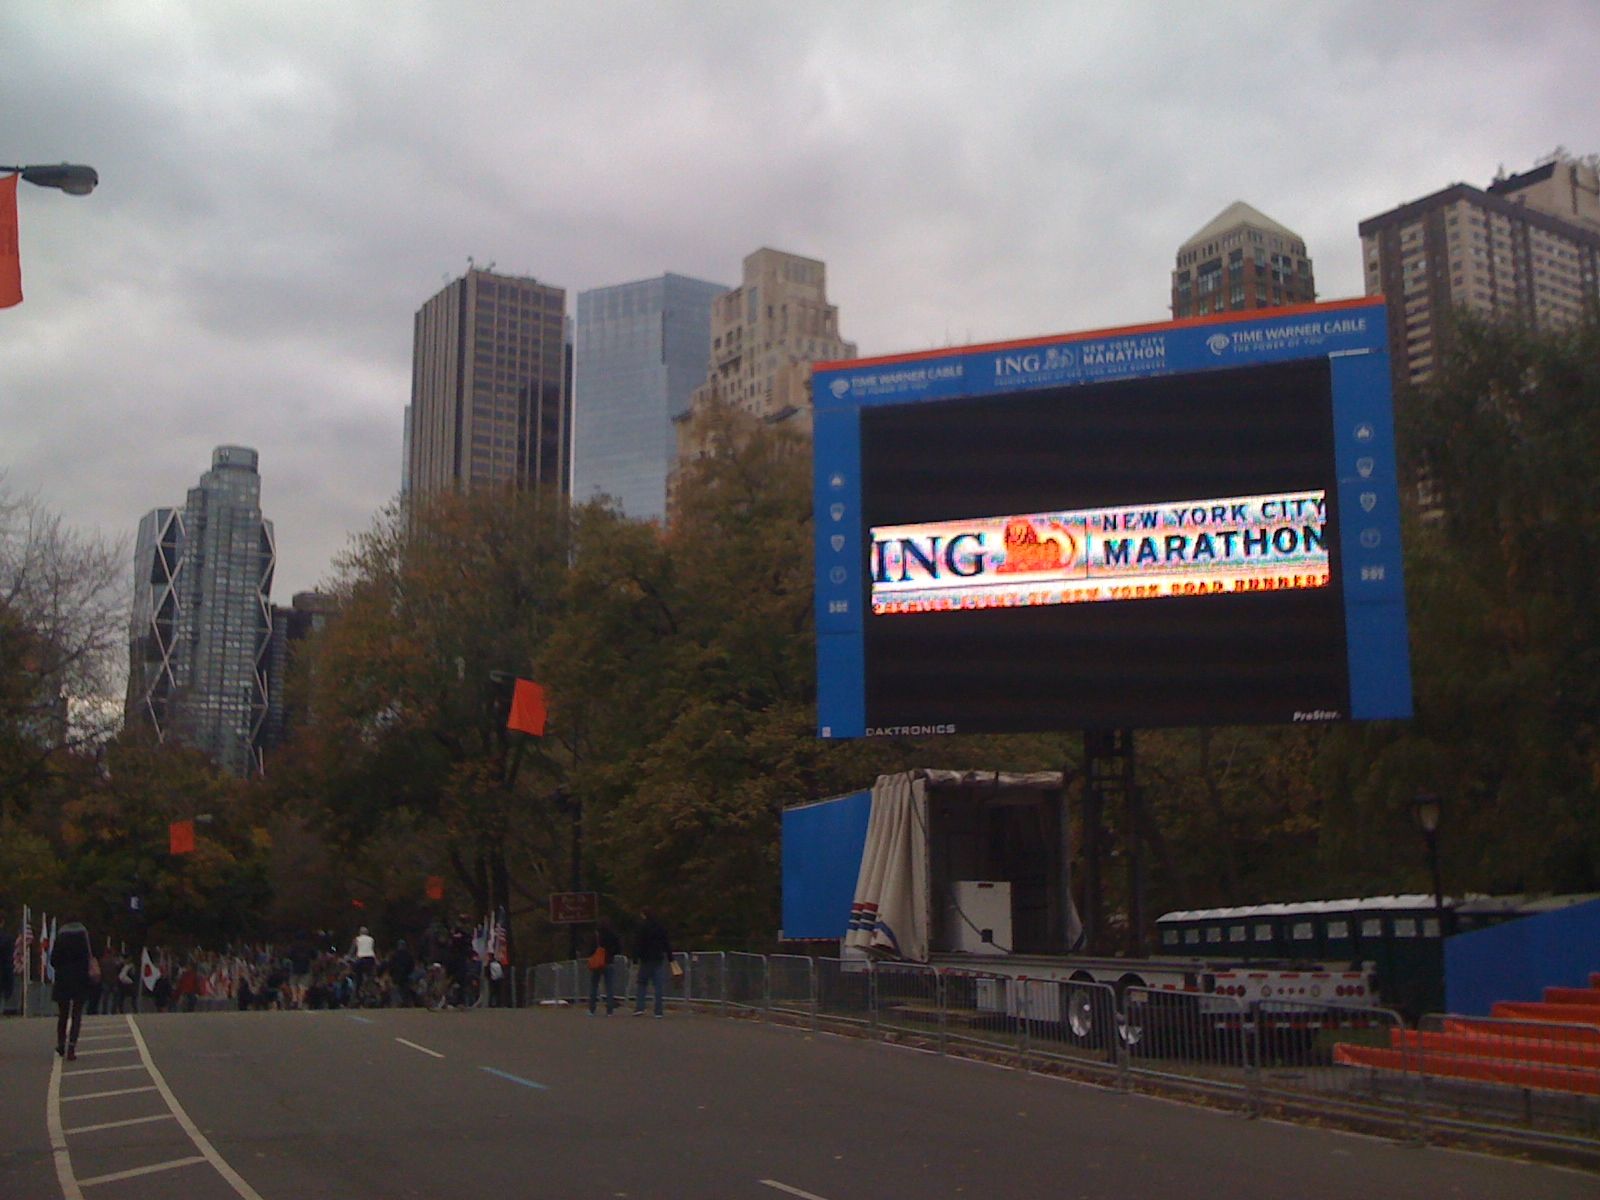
(642, 349)
(202, 621)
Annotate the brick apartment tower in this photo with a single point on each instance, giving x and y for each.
(1527, 249)
(1241, 260)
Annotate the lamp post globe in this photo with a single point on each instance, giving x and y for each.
(1426, 809)
(75, 179)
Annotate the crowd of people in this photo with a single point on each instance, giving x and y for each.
(310, 972)
(448, 968)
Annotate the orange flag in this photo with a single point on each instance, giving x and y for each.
(527, 708)
(435, 888)
(10, 248)
(180, 837)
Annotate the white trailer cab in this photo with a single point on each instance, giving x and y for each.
(971, 871)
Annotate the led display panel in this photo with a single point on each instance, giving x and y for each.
(1127, 547)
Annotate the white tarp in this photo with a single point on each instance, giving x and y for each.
(890, 913)
(888, 916)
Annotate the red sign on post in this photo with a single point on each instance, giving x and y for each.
(574, 908)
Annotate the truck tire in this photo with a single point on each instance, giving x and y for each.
(1131, 1015)
(1089, 1017)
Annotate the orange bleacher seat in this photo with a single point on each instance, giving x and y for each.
(1572, 995)
(1448, 1066)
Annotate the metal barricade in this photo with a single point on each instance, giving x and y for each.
(905, 998)
(1476, 1071)
(792, 985)
(1199, 1037)
(981, 1009)
(707, 977)
(844, 991)
(1304, 1049)
(745, 981)
(1070, 1020)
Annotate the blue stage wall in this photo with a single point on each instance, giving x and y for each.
(1519, 959)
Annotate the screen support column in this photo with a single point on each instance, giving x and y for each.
(1108, 770)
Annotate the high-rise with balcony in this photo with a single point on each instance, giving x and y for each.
(489, 395)
(1526, 249)
(640, 351)
(1241, 260)
(202, 617)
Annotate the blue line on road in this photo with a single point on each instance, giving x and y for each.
(515, 1079)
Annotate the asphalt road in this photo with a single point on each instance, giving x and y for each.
(554, 1104)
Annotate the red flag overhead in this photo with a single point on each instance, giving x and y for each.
(10, 251)
(527, 708)
(180, 837)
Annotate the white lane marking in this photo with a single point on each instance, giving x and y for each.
(171, 1165)
(119, 1124)
(201, 1143)
(128, 1049)
(793, 1191)
(58, 1139)
(103, 1095)
(102, 1037)
(102, 1070)
(414, 1046)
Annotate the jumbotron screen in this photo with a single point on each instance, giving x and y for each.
(1124, 544)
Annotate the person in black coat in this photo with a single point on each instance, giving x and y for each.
(70, 958)
(653, 949)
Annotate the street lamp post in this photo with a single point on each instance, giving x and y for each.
(74, 179)
(1427, 809)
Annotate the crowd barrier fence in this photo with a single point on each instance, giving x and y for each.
(1450, 1074)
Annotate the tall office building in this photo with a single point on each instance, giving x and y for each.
(489, 395)
(641, 350)
(1527, 248)
(1241, 260)
(765, 336)
(202, 621)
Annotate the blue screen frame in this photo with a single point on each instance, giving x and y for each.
(1352, 335)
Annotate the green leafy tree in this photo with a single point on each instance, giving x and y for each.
(1502, 457)
(406, 747)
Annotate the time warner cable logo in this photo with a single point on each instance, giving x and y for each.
(1218, 342)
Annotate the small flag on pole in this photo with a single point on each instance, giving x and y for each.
(180, 837)
(499, 949)
(19, 952)
(527, 708)
(148, 971)
(10, 251)
(47, 942)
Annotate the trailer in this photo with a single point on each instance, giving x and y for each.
(971, 871)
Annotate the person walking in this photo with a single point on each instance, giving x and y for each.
(75, 965)
(364, 953)
(607, 945)
(127, 985)
(109, 963)
(653, 949)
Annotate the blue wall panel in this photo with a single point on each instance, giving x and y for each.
(822, 846)
(1518, 960)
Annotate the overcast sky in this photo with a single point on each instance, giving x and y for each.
(284, 184)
